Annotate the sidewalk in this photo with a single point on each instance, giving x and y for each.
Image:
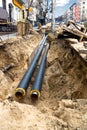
(7, 36)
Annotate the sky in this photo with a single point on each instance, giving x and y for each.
(62, 6)
(24, 0)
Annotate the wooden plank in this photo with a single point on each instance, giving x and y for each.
(83, 51)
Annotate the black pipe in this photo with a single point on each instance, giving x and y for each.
(7, 68)
(23, 85)
(37, 86)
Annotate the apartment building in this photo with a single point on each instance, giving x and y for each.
(83, 6)
(76, 13)
(79, 11)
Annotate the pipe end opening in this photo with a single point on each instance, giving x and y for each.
(34, 96)
(19, 94)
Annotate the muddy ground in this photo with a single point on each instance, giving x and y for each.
(63, 101)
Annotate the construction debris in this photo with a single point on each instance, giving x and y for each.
(51, 37)
(72, 30)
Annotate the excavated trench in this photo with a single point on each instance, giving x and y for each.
(66, 74)
(65, 78)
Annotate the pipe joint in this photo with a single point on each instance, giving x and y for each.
(35, 94)
(20, 93)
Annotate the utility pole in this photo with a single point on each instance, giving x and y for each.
(48, 7)
(28, 5)
(53, 16)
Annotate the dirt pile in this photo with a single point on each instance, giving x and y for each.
(65, 79)
(68, 71)
(67, 115)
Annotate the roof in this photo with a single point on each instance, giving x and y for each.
(3, 14)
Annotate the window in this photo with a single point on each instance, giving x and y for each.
(10, 11)
(23, 14)
(83, 11)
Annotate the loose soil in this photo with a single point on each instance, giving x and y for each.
(63, 101)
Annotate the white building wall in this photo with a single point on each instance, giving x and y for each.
(0, 3)
(7, 7)
(7, 4)
(83, 4)
(15, 12)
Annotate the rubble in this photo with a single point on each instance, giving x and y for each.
(72, 30)
(50, 37)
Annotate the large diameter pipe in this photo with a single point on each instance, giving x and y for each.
(24, 83)
(37, 86)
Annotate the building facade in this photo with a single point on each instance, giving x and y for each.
(76, 13)
(83, 5)
(14, 13)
